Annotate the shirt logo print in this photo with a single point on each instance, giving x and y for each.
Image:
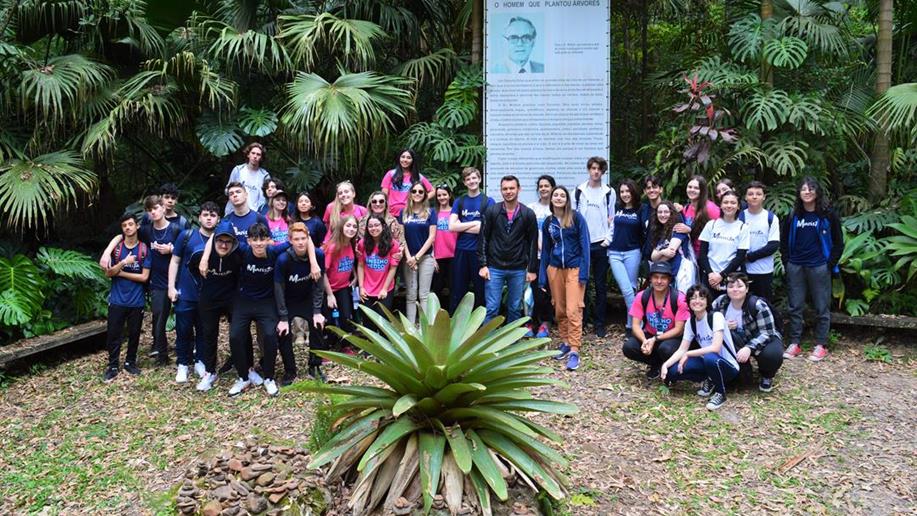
(442, 224)
(657, 321)
(345, 264)
(376, 263)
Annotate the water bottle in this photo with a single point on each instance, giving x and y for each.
(335, 314)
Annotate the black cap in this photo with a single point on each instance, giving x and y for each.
(661, 268)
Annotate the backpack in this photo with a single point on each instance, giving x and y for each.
(752, 304)
(770, 217)
(141, 252)
(186, 237)
(693, 322)
(673, 299)
(824, 236)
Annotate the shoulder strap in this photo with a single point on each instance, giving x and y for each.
(577, 193)
(186, 237)
(607, 199)
(770, 219)
(742, 217)
(673, 300)
(645, 299)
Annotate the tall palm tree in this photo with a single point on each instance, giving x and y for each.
(878, 177)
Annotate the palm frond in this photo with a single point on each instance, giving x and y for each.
(436, 68)
(248, 49)
(33, 191)
(306, 35)
(56, 91)
(896, 109)
(257, 122)
(345, 112)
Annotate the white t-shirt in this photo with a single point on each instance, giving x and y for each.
(592, 206)
(704, 336)
(735, 314)
(542, 212)
(759, 234)
(724, 239)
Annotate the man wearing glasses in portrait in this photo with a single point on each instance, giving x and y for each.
(520, 40)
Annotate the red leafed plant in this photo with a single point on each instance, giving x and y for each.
(706, 128)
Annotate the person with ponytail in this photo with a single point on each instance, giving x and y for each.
(398, 181)
(697, 212)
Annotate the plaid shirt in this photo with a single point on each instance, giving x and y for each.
(760, 328)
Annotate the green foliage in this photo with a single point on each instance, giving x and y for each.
(877, 353)
(904, 246)
(896, 109)
(452, 405)
(218, 135)
(786, 52)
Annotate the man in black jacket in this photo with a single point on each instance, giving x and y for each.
(507, 250)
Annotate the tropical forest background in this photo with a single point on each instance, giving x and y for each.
(102, 101)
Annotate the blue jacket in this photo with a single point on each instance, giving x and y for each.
(564, 248)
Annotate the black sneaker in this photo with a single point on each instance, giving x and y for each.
(288, 378)
(316, 373)
(766, 385)
(110, 374)
(652, 373)
(600, 331)
(132, 368)
(225, 368)
(162, 359)
(716, 401)
(706, 388)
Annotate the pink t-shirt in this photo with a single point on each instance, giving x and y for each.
(659, 321)
(376, 268)
(356, 210)
(398, 191)
(279, 230)
(688, 213)
(444, 244)
(339, 268)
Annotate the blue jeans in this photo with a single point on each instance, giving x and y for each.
(816, 282)
(625, 265)
(189, 333)
(493, 293)
(698, 369)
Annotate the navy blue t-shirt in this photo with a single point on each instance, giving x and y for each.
(416, 230)
(188, 284)
(125, 292)
(241, 224)
(294, 274)
(807, 250)
(159, 268)
(628, 230)
(222, 276)
(472, 210)
(317, 230)
(256, 280)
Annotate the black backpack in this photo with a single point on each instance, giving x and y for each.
(577, 193)
(673, 299)
(752, 304)
(693, 321)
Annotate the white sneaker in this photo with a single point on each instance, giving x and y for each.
(206, 382)
(200, 369)
(254, 377)
(270, 387)
(238, 387)
(182, 375)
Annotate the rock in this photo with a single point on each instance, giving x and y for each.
(256, 504)
(235, 465)
(189, 492)
(248, 473)
(276, 497)
(224, 493)
(520, 509)
(230, 511)
(402, 507)
(265, 479)
(439, 502)
(239, 487)
(260, 467)
(212, 508)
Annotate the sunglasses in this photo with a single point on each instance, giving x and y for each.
(419, 191)
(377, 201)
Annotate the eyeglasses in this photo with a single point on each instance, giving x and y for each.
(377, 201)
(224, 242)
(515, 40)
(418, 191)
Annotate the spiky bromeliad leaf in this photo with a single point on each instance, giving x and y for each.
(439, 404)
(786, 52)
(33, 191)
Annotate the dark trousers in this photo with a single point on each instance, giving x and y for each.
(264, 314)
(544, 311)
(209, 313)
(316, 340)
(662, 351)
(376, 304)
(816, 283)
(598, 262)
(160, 304)
(762, 285)
(117, 317)
(769, 359)
(465, 269)
(708, 366)
(189, 336)
(442, 280)
(344, 321)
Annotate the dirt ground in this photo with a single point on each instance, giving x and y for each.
(837, 437)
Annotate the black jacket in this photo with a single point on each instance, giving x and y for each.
(508, 245)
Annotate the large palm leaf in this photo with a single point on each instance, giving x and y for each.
(32, 191)
(346, 112)
(307, 35)
(896, 109)
(247, 49)
(56, 90)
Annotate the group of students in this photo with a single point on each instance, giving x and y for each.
(274, 262)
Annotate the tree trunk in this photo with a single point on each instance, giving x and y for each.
(878, 177)
(767, 72)
(644, 65)
(477, 32)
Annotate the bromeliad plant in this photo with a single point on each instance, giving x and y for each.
(455, 391)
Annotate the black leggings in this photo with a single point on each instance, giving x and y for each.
(210, 312)
(769, 359)
(662, 351)
(316, 340)
(264, 314)
(762, 285)
(441, 280)
(344, 300)
(117, 317)
(544, 311)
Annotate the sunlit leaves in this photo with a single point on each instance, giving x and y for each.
(786, 52)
